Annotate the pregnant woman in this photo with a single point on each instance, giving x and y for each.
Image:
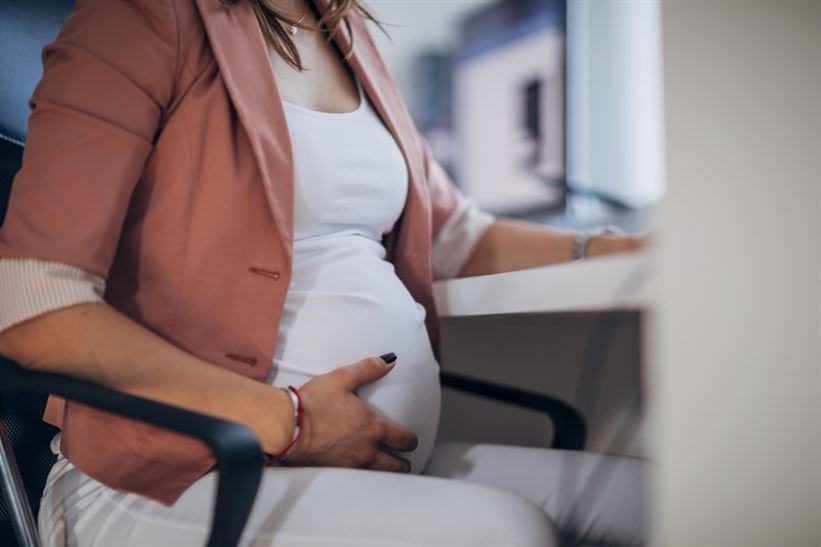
(218, 200)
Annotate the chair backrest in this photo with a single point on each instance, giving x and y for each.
(25, 27)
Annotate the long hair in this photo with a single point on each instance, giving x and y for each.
(273, 24)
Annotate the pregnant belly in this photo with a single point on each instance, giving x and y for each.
(334, 317)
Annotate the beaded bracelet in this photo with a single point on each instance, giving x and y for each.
(296, 401)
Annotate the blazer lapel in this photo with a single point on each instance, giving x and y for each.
(242, 56)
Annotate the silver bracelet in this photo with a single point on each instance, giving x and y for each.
(582, 242)
(297, 426)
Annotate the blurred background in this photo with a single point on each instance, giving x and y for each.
(540, 109)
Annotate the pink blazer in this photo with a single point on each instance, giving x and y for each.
(158, 157)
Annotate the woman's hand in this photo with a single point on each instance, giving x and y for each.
(602, 245)
(339, 430)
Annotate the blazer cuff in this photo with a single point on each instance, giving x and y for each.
(30, 287)
(457, 239)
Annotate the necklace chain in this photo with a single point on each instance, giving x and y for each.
(293, 29)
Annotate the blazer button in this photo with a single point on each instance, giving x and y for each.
(273, 274)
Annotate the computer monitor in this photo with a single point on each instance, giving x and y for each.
(615, 117)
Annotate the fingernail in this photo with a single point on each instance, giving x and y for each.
(388, 358)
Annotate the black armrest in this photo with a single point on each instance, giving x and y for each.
(570, 431)
(236, 449)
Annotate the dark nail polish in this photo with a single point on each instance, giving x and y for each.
(388, 358)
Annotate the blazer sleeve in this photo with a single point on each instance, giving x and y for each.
(458, 223)
(95, 113)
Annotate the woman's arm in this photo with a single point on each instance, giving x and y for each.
(466, 245)
(95, 342)
(509, 245)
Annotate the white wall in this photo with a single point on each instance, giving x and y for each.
(737, 362)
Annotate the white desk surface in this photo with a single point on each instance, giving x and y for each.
(607, 283)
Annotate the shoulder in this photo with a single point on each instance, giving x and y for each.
(143, 33)
(139, 24)
(147, 41)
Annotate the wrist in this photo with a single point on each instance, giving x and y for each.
(275, 425)
(596, 242)
(296, 409)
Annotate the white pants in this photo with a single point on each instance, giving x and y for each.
(469, 495)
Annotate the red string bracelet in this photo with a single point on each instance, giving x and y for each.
(296, 399)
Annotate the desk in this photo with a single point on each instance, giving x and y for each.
(530, 329)
(607, 283)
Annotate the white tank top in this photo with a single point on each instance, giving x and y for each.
(345, 301)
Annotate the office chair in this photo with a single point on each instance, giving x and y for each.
(25, 457)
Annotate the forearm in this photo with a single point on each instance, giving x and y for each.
(95, 342)
(509, 245)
